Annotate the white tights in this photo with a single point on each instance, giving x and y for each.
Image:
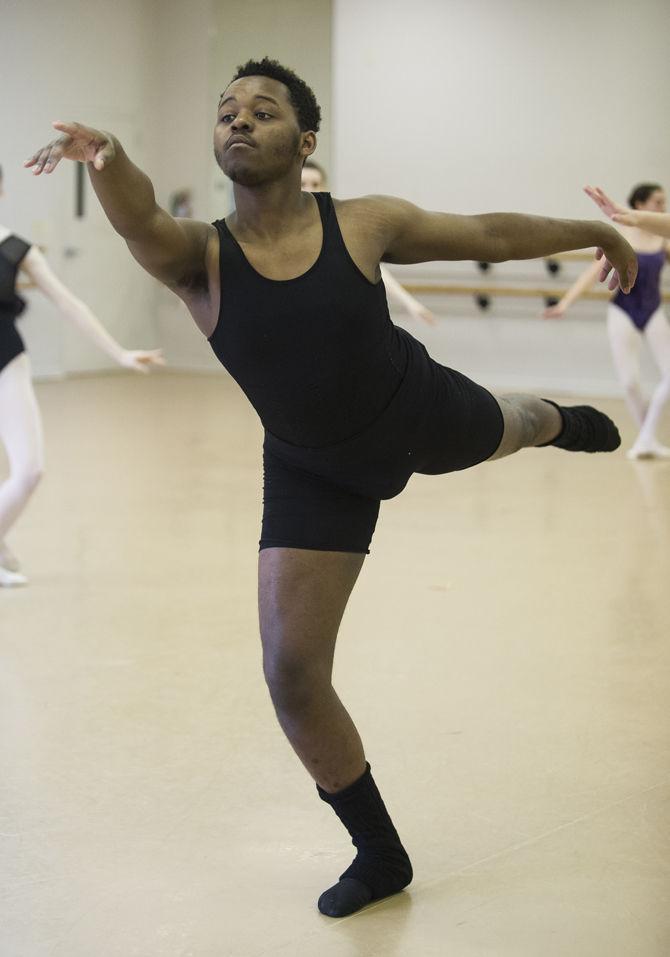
(625, 345)
(21, 435)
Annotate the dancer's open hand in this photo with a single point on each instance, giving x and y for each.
(141, 361)
(602, 200)
(76, 142)
(557, 311)
(619, 260)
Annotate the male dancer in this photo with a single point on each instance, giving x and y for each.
(286, 289)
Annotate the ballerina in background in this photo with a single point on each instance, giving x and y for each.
(637, 315)
(20, 421)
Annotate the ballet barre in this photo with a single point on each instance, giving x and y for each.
(515, 292)
(484, 292)
(554, 263)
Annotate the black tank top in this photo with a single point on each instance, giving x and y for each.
(12, 251)
(317, 356)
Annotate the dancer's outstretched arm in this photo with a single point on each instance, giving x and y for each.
(658, 223)
(581, 284)
(39, 271)
(172, 250)
(414, 235)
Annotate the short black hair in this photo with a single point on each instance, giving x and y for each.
(641, 193)
(304, 102)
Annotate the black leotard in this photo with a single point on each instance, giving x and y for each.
(351, 404)
(317, 356)
(12, 251)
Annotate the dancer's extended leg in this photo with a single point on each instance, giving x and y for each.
(532, 422)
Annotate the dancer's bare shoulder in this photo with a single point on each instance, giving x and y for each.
(374, 215)
(366, 223)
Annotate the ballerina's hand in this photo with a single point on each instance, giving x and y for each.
(620, 214)
(141, 361)
(603, 201)
(76, 142)
(629, 218)
(554, 312)
(621, 262)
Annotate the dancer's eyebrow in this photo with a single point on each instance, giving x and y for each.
(258, 96)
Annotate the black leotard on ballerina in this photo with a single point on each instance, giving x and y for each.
(351, 404)
(12, 251)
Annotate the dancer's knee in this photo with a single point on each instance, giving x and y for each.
(526, 418)
(534, 414)
(631, 386)
(26, 481)
(663, 388)
(295, 683)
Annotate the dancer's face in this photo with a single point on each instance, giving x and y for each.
(257, 138)
(655, 203)
(312, 180)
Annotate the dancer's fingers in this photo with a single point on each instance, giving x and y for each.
(605, 270)
(72, 129)
(47, 159)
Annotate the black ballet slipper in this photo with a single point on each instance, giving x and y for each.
(381, 866)
(585, 429)
(344, 898)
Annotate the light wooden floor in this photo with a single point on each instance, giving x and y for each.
(506, 655)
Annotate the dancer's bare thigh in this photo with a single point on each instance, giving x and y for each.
(302, 594)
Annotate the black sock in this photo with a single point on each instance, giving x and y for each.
(381, 866)
(585, 429)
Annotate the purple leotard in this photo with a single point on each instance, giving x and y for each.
(643, 300)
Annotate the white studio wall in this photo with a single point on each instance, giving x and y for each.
(181, 118)
(476, 105)
(88, 61)
(473, 105)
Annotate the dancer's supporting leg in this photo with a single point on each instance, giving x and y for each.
(21, 435)
(657, 334)
(625, 341)
(302, 597)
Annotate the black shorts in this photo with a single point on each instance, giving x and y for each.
(328, 498)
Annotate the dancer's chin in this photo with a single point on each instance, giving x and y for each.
(244, 177)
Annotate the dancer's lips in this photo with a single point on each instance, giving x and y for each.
(238, 140)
